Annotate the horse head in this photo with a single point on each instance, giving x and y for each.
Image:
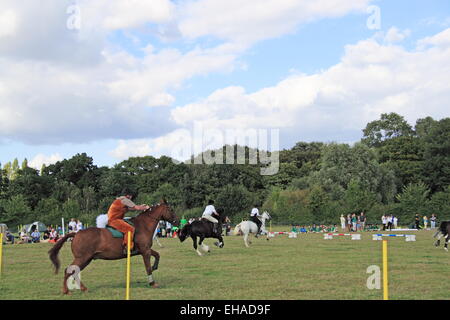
(184, 232)
(266, 216)
(168, 214)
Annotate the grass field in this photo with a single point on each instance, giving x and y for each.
(308, 267)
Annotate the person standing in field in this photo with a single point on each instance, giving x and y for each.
(417, 221)
(79, 226)
(72, 225)
(384, 221)
(354, 222)
(425, 222)
(362, 219)
(395, 219)
(433, 220)
(349, 222)
(342, 223)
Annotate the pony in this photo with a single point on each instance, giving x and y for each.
(444, 231)
(203, 229)
(246, 227)
(98, 243)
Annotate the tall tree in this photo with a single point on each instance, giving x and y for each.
(390, 125)
(437, 156)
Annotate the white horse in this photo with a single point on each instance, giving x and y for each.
(247, 227)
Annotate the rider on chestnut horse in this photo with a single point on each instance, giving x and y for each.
(117, 212)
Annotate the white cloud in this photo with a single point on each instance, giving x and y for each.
(171, 144)
(8, 23)
(371, 79)
(441, 39)
(394, 35)
(250, 21)
(41, 159)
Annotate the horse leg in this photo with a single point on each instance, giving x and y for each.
(438, 241)
(155, 254)
(446, 242)
(148, 268)
(159, 243)
(77, 265)
(194, 239)
(246, 239)
(204, 247)
(220, 242)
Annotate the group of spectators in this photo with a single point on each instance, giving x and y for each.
(389, 222)
(75, 225)
(50, 234)
(166, 229)
(425, 220)
(353, 222)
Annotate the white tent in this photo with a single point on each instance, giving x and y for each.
(39, 225)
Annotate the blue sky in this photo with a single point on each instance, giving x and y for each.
(196, 79)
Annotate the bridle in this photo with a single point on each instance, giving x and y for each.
(158, 218)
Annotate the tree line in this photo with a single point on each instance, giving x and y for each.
(395, 168)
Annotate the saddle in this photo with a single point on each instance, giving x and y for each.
(219, 225)
(116, 233)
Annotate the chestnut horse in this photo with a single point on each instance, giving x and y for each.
(98, 243)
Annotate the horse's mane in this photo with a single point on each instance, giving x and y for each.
(147, 212)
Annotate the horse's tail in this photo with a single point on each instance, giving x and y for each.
(53, 252)
(237, 229)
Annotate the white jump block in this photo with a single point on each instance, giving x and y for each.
(408, 237)
(356, 236)
(271, 235)
(292, 234)
(327, 236)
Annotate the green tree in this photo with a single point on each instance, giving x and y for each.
(390, 125)
(15, 210)
(358, 199)
(437, 156)
(48, 211)
(234, 200)
(413, 200)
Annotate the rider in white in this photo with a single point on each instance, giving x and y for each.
(207, 214)
(254, 217)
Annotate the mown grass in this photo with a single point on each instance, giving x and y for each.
(308, 267)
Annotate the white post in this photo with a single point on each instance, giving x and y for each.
(62, 220)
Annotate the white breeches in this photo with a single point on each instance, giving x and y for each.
(210, 218)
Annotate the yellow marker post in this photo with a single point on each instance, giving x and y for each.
(385, 271)
(1, 251)
(127, 295)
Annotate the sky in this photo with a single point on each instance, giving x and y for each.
(117, 79)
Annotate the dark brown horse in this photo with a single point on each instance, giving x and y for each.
(98, 243)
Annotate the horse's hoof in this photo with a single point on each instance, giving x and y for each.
(154, 285)
(446, 249)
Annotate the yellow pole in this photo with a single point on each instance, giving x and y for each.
(1, 251)
(127, 296)
(385, 271)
